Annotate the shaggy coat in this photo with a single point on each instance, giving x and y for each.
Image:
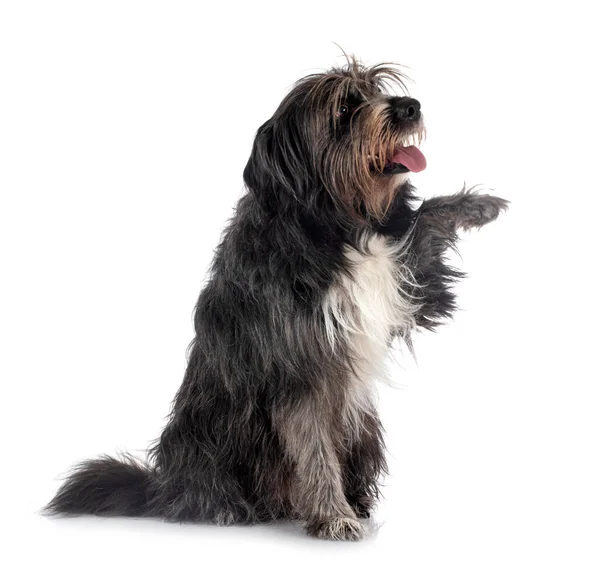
(324, 262)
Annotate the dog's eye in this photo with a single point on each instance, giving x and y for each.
(343, 110)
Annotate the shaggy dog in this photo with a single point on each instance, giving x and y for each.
(324, 263)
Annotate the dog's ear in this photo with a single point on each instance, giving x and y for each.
(259, 172)
(277, 165)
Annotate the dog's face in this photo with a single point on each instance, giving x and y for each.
(340, 134)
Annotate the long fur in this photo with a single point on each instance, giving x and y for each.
(324, 261)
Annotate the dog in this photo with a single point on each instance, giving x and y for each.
(325, 262)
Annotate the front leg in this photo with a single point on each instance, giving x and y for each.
(434, 232)
(465, 210)
(364, 464)
(307, 430)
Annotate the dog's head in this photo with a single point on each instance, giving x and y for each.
(342, 136)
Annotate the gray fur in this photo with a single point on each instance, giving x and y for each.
(274, 420)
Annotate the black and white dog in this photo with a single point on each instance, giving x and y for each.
(324, 262)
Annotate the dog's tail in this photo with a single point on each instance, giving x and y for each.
(105, 486)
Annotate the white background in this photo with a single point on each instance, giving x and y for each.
(124, 130)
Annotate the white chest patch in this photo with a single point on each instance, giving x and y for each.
(362, 309)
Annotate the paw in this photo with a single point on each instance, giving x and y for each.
(234, 514)
(225, 518)
(342, 528)
(481, 209)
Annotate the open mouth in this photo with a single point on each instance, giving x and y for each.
(405, 159)
(405, 156)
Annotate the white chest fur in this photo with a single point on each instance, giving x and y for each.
(363, 309)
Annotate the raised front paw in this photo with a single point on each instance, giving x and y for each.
(342, 528)
(477, 210)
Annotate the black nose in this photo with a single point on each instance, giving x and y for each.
(406, 108)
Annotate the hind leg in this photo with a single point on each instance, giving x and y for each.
(196, 483)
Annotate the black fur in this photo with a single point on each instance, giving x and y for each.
(238, 443)
(105, 486)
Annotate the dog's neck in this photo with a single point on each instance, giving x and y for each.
(322, 223)
(401, 214)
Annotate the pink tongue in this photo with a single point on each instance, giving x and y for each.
(411, 157)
